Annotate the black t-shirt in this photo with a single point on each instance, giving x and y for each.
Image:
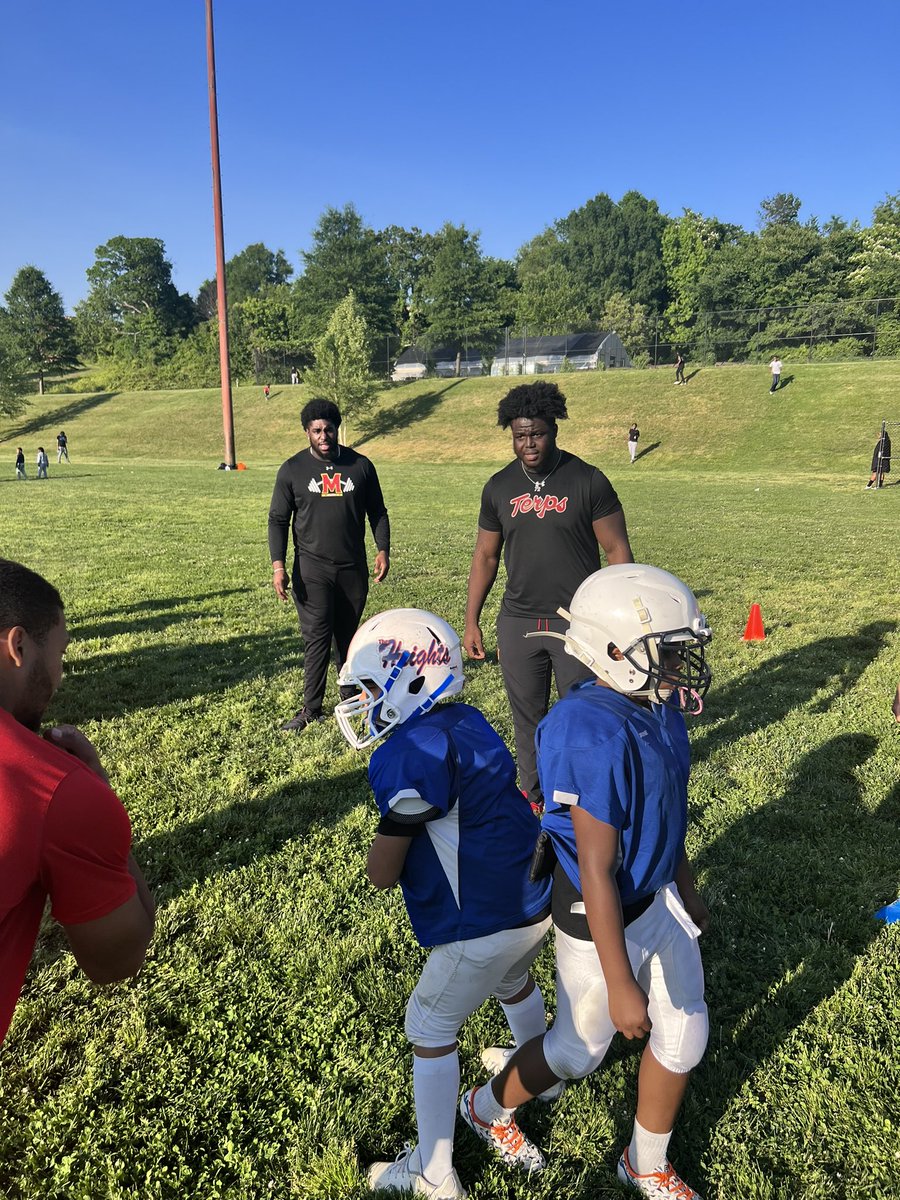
(328, 503)
(549, 542)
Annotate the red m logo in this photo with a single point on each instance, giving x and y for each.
(331, 485)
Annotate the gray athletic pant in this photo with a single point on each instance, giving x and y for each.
(527, 664)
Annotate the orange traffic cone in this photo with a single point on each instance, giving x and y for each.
(754, 631)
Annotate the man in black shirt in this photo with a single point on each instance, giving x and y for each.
(549, 511)
(326, 492)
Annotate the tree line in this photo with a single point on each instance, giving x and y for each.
(715, 289)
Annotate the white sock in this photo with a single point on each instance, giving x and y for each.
(490, 1110)
(647, 1152)
(528, 1018)
(436, 1089)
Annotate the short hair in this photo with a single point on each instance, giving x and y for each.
(27, 599)
(543, 400)
(319, 409)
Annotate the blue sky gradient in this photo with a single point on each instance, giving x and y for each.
(503, 117)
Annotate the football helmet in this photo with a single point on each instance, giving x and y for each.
(654, 620)
(402, 661)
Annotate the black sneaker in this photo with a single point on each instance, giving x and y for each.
(303, 718)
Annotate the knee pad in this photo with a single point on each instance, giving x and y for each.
(577, 1045)
(679, 1051)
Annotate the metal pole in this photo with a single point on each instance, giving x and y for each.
(221, 299)
(875, 331)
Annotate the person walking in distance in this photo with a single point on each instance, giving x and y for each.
(43, 462)
(775, 368)
(324, 495)
(62, 447)
(633, 434)
(679, 367)
(20, 464)
(550, 513)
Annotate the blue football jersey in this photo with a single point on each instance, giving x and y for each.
(466, 873)
(627, 766)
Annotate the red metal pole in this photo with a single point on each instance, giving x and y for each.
(221, 300)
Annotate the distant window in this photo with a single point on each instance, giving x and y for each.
(612, 360)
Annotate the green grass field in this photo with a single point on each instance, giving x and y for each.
(261, 1052)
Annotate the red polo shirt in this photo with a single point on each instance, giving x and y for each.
(63, 834)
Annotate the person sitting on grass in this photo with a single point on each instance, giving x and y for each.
(613, 758)
(457, 835)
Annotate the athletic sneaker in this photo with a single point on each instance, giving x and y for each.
(659, 1185)
(400, 1176)
(510, 1143)
(300, 720)
(495, 1058)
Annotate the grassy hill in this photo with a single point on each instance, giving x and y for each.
(825, 420)
(261, 1052)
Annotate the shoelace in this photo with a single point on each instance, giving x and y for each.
(510, 1136)
(674, 1185)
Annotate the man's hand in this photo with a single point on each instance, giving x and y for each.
(473, 644)
(280, 581)
(382, 566)
(73, 741)
(628, 1010)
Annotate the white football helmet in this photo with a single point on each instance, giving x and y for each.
(402, 661)
(654, 620)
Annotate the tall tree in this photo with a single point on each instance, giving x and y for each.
(876, 261)
(248, 273)
(130, 278)
(781, 209)
(409, 256)
(550, 301)
(13, 373)
(341, 372)
(688, 244)
(465, 298)
(39, 326)
(346, 255)
(631, 322)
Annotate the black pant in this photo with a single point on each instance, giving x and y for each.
(527, 664)
(330, 600)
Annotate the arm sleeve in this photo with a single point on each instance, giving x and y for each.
(487, 516)
(281, 513)
(414, 783)
(604, 501)
(376, 511)
(84, 859)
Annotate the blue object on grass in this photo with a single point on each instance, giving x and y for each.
(890, 913)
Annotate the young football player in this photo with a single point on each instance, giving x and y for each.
(457, 835)
(613, 759)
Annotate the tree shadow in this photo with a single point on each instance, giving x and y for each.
(403, 414)
(146, 615)
(62, 416)
(793, 887)
(647, 450)
(105, 685)
(765, 695)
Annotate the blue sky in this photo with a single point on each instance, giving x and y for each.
(499, 116)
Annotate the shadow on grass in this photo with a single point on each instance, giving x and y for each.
(688, 378)
(794, 886)
(404, 413)
(647, 450)
(765, 695)
(147, 614)
(62, 416)
(102, 686)
(245, 832)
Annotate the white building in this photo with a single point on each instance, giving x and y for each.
(546, 355)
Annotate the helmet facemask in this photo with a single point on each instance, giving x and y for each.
(675, 665)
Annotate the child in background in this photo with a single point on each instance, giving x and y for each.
(458, 837)
(20, 464)
(43, 462)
